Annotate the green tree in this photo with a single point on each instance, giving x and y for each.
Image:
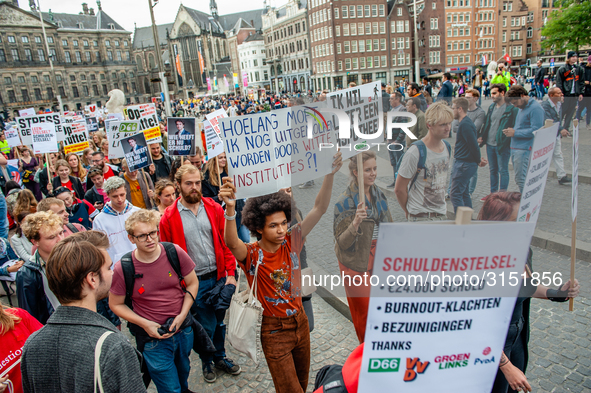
(569, 27)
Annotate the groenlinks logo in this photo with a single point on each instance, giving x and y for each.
(452, 361)
(385, 365)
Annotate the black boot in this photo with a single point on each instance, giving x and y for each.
(394, 183)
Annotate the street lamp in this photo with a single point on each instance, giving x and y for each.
(163, 79)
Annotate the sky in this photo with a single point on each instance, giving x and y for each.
(128, 12)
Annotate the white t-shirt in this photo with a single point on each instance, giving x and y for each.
(426, 195)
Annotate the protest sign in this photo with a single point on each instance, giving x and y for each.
(91, 110)
(76, 137)
(438, 315)
(214, 118)
(136, 152)
(270, 151)
(362, 103)
(145, 114)
(25, 124)
(92, 124)
(26, 112)
(12, 138)
(213, 143)
(181, 136)
(44, 138)
(537, 173)
(575, 184)
(118, 131)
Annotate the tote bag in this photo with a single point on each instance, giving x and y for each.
(246, 317)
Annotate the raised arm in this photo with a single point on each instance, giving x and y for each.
(228, 195)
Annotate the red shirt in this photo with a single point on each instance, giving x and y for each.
(68, 185)
(109, 173)
(279, 274)
(11, 345)
(157, 295)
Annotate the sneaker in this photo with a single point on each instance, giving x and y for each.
(484, 198)
(209, 373)
(228, 366)
(446, 196)
(564, 180)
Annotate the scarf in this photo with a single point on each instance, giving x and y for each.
(109, 210)
(346, 205)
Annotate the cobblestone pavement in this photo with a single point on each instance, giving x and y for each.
(332, 340)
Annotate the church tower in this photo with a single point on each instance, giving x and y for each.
(213, 8)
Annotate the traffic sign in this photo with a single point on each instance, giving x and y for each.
(552, 62)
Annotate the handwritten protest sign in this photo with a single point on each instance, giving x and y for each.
(76, 137)
(438, 315)
(267, 151)
(26, 123)
(120, 130)
(145, 114)
(136, 151)
(91, 110)
(26, 112)
(12, 138)
(213, 143)
(44, 138)
(364, 104)
(181, 136)
(537, 173)
(214, 118)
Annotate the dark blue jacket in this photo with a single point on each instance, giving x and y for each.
(7, 256)
(446, 92)
(466, 143)
(30, 293)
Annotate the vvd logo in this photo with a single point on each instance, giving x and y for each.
(413, 367)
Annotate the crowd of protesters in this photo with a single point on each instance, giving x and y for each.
(93, 243)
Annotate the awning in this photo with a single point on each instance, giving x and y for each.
(438, 75)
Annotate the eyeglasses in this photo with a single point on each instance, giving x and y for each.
(97, 161)
(144, 237)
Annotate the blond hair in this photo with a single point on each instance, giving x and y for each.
(365, 156)
(212, 169)
(33, 223)
(438, 113)
(7, 320)
(46, 204)
(144, 216)
(184, 169)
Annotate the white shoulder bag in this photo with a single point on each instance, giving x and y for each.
(246, 317)
(97, 366)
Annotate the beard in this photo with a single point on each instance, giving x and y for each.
(191, 197)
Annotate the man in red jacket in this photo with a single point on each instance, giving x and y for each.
(196, 224)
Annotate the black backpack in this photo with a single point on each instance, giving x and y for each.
(130, 276)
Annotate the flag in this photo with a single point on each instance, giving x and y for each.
(484, 60)
(507, 58)
(178, 64)
(201, 65)
(226, 81)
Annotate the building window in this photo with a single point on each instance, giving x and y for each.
(88, 57)
(68, 58)
(75, 92)
(75, 43)
(38, 94)
(49, 93)
(11, 39)
(399, 11)
(107, 43)
(116, 43)
(46, 78)
(78, 57)
(25, 94)
(41, 54)
(119, 58)
(25, 39)
(28, 55)
(110, 56)
(15, 56)
(7, 80)
(64, 42)
(382, 10)
(85, 90)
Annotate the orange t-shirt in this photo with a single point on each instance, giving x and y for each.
(279, 274)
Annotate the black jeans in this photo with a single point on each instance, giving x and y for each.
(515, 351)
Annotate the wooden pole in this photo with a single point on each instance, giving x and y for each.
(48, 163)
(573, 242)
(360, 182)
(217, 163)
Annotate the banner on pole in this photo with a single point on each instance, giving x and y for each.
(26, 112)
(181, 136)
(146, 115)
(26, 123)
(12, 138)
(213, 143)
(76, 137)
(136, 151)
(214, 118)
(44, 138)
(364, 104)
(438, 316)
(537, 173)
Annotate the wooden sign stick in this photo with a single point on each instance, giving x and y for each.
(360, 182)
(217, 163)
(573, 249)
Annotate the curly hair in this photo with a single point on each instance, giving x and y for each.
(144, 216)
(33, 223)
(256, 210)
(25, 201)
(113, 183)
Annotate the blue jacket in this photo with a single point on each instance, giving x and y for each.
(528, 120)
(466, 144)
(30, 293)
(8, 254)
(446, 92)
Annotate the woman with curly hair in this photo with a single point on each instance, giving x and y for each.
(273, 261)
(25, 202)
(356, 231)
(164, 194)
(504, 206)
